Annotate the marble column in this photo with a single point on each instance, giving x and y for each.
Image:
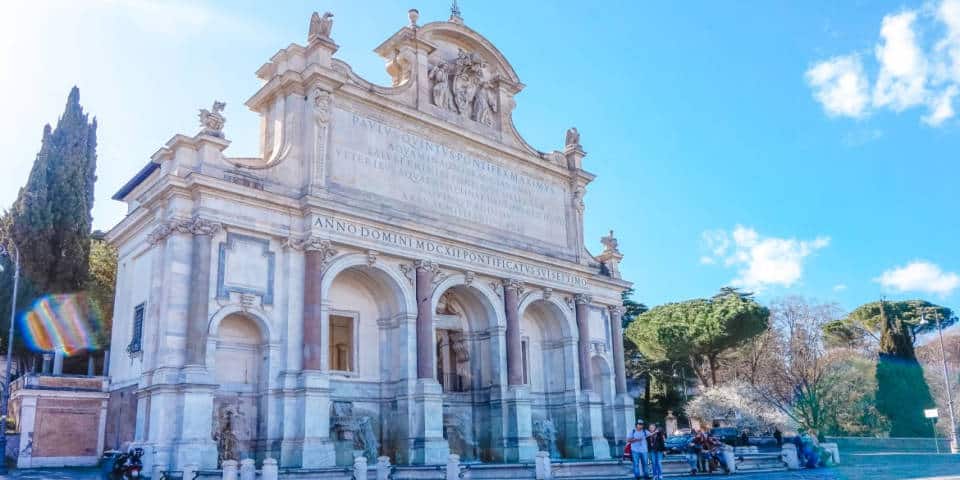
(425, 341)
(616, 327)
(312, 310)
(428, 445)
(199, 306)
(583, 327)
(511, 302)
(519, 445)
(313, 384)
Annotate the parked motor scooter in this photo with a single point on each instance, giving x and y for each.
(128, 465)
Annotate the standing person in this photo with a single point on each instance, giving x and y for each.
(656, 445)
(699, 444)
(637, 438)
(798, 442)
(778, 436)
(744, 439)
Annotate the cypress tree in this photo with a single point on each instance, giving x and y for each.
(902, 392)
(51, 217)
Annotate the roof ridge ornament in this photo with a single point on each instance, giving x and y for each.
(455, 13)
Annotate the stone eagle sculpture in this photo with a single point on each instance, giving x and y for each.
(320, 27)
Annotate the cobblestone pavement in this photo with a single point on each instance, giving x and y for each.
(888, 466)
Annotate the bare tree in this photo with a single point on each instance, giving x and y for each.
(804, 379)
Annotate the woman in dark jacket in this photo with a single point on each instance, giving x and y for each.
(657, 445)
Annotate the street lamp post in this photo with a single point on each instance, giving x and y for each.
(954, 441)
(683, 379)
(5, 401)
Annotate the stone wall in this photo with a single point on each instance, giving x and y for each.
(121, 418)
(872, 444)
(60, 420)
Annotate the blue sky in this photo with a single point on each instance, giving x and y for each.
(803, 148)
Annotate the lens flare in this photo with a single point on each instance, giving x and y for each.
(68, 323)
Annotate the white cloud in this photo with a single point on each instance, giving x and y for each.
(839, 287)
(901, 82)
(941, 107)
(841, 86)
(917, 64)
(761, 261)
(919, 276)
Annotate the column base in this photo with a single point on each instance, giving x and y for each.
(316, 448)
(519, 444)
(624, 416)
(593, 444)
(427, 445)
(195, 444)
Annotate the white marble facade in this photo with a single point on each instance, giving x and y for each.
(399, 273)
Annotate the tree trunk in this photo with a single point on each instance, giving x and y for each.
(712, 361)
(646, 395)
(698, 371)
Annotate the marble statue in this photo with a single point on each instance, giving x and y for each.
(441, 87)
(213, 121)
(351, 427)
(573, 137)
(320, 27)
(545, 432)
(484, 105)
(226, 438)
(609, 243)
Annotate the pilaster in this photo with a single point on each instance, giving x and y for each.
(593, 444)
(318, 450)
(519, 444)
(428, 447)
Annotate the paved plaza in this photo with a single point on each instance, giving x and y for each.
(876, 466)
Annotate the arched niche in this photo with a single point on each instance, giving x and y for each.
(549, 351)
(469, 339)
(238, 363)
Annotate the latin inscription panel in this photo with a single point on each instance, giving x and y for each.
(434, 180)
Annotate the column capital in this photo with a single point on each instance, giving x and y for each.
(582, 299)
(426, 265)
(195, 225)
(617, 310)
(513, 284)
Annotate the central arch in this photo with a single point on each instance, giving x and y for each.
(469, 363)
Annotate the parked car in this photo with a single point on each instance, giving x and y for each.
(678, 443)
(726, 435)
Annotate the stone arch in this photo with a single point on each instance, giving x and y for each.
(239, 362)
(256, 315)
(367, 310)
(403, 294)
(550, 341)
(468, 322)
(481, 292)
(603, 385)
(463, 35)
(560, 310)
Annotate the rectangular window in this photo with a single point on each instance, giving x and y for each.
(341, 343)
(525, 354)
(136, 339)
